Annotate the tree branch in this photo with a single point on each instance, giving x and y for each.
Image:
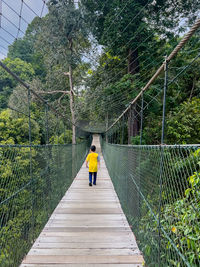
(60, 99)
(53, 92)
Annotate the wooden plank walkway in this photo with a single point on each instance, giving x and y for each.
(88, 228)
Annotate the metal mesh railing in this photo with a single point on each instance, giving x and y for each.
(159, 190)
(33, 179)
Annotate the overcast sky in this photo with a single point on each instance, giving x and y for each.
(10, 20)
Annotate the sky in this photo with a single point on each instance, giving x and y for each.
(10, 20)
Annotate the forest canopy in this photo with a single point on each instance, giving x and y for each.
(90, 59)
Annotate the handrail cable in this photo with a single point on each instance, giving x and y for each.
(173, 53)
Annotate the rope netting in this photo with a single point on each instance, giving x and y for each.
(33, 181)
(37, 160)
(158, 188)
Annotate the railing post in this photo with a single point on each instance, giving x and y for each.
(162, 158)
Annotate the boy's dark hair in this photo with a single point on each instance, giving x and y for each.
(93, 148)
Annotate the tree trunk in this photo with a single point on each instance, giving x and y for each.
(72, 95)
(133, 62)
(133, 68)
(133, 125)
(72, 106)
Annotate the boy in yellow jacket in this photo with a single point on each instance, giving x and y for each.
(94, 160)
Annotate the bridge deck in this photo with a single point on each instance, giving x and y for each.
(88, 228)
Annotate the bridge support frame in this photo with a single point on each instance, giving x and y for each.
(162, 156)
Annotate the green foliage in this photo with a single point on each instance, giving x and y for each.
(29, 196)
(182, 218)
(16, 130)
(179, 217)
(136, 140)
(183, 124)
(64, 138)
(26, 48)
(23, 69)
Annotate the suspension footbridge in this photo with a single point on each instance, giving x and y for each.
(123, 75)
(87, 227)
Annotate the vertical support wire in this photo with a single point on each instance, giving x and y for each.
(47, 123)
(31, 163)
(122, 140)
(106, 127)
(64, 133)
(140, 176)
(0, 12)
(164, 100)
(48, 183)
(57, 151)
(57, 129)
(141, 119)
(162, 159)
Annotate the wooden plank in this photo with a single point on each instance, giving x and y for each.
(88, 205)
(86, 193)
(93, 200)
(86, 234)
(83, 245)
(89, 251)
(83, 217)
(82, 265)
(86, 224)
(83, 182)
(99, 187)
(72, 239)
(84, 259)
(87, 229)
(95, 190)
(90, 195)
(88, 211)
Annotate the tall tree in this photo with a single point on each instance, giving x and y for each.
(129, 28)
(64, 40)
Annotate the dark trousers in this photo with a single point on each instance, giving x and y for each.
(95, 177)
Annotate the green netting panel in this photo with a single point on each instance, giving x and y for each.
(159, 190)
(32, 182)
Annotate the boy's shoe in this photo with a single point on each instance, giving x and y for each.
(90, 184)
(94, 183)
